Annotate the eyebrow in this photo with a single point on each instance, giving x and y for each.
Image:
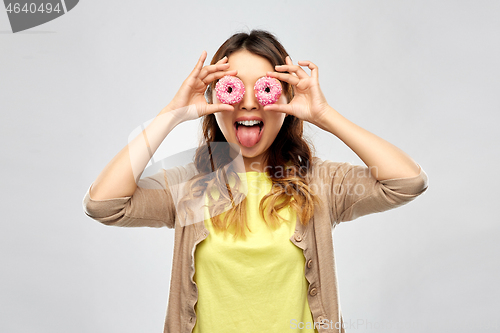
(257, 78)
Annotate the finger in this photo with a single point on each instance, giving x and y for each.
(215, 76)
(212, 69)
(311, 66)
(199, 65)
(223, 60)
(293, 80)
(293, 69)
(288, 61)
(284, 108)
(220, 107)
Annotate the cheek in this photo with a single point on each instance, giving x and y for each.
(282, 99)
(276, 119)
(220, 121)
(276, 122)
(224, 122)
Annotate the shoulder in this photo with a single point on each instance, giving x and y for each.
(180, 174)
(325, 170)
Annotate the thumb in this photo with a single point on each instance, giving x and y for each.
(285, 108)
(213, 108)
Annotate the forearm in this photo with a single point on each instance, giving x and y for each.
(385, 160)
(119, 178)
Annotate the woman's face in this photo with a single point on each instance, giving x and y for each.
(254, 141)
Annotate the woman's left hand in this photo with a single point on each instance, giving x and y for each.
(309, 103)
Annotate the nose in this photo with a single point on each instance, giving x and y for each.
(249, 101)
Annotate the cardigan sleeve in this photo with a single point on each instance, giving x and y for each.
(151, 205)
(354, 192)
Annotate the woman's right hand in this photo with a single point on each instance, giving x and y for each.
(189, 102)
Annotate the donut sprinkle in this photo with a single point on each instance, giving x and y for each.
(230, 90)
(267, 90)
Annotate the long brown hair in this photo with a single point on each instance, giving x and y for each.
(288, 158)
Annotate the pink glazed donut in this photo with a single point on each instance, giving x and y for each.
(267, 90)
(230, 90)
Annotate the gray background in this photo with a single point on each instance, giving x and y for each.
(423, 75)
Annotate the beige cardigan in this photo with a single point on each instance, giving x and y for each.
(349, 191)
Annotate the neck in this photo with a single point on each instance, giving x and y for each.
(254, 163)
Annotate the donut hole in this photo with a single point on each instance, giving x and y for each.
(229, 89)
(267, 90)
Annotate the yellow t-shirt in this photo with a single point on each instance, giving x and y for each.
(252, 285)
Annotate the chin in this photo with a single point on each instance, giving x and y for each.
(254, 151)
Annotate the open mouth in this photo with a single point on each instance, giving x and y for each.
(249, 132)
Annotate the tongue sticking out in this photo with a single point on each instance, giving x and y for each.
(248, 135)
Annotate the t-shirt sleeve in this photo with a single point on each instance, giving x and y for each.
(151, 205)
(354, 192)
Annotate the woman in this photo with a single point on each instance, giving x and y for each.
(277, 272)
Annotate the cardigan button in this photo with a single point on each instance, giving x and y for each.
(309, 263)
(320, 319)
(313, 292)
(298, 237)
